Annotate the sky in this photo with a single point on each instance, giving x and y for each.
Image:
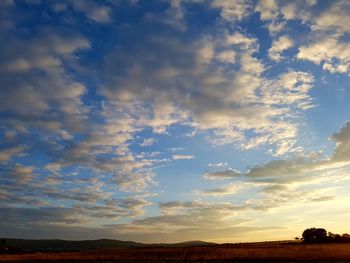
(174, 120)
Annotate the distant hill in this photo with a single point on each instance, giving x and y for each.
(189, 244)
(68, 245)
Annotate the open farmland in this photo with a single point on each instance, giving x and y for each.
(261, 252)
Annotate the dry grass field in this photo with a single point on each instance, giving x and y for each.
(263, 252)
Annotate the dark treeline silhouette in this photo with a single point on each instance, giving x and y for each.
(320, 235)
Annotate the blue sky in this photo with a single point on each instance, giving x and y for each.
(173, 120)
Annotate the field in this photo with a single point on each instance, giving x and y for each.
(256, 252)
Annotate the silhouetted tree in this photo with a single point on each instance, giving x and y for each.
(334, 237)
(315, 235)
(345, 238)
(3, 242)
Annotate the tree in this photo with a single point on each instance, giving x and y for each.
(334, 237)
(3, 243)
(345, 238)
(315, 235)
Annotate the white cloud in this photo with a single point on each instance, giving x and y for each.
(147, 142)
(290, 89)
(227, 56)
(182, 157)
(301, 10)
(289, 11)
(248, 44)
(278, 46)
(333, 18)
(275, 14)
(233, 10)
(220, 164)
(275, 27)
(268, 9)
(332, 54)
(175, 83)
(327, 45)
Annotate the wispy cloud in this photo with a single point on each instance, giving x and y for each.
(182, 156)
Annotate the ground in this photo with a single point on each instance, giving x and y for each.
(255, 252)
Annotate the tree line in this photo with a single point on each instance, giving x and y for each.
(320, 235)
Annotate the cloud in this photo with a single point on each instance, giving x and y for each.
(297, 170)
(230, 189)
(247, 43)
(327, 45)
(182, 157)
(184, 220)
(234, 10)
(135, 181)
(290, 88)
(270, 13)
(282, 184)
(342, 139)
(7, 154)
(96, 12)
(277, 14)
(17, 175)
(268, 9)
(175, 15)
(129, 172)
(139, 231)
(220, 164)
(332, 54)
(114, 208)
(175, 218)
(27, 95)
(36, 216)
(278, 171)
(282, 171)
(227, 174)
(332, 18)
(45, 111)
(281, 44)
(90, 198)
(289, 197)
(227, 56)
(205, 94)
(147, 142)
(298, 10)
